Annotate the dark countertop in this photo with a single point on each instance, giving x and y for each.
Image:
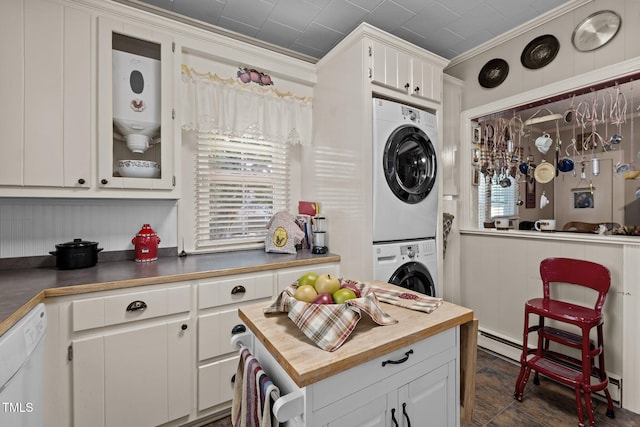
(23, 289)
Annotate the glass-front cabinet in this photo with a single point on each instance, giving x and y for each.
(135, 107)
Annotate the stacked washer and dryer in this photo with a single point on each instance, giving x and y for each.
(405, 196)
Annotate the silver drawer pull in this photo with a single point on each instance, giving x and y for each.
(238, 290)
(137, 306)
(399, 361)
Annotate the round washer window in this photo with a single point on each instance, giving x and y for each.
(414, 276)
(410, 164)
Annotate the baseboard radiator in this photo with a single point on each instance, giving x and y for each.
(509, 349)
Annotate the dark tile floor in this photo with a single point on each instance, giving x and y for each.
(546, 405)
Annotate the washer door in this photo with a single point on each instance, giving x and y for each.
(414, 276)
(410, 164)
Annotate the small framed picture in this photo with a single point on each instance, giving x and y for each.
(583, 198)
(475, 176)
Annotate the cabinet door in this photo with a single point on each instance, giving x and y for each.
(426, 80)
(149, 46)
(390, 67)
(215, 385)
(372, 414)
(138, 377)
(430, 397)
(46, 113)
(215, 332)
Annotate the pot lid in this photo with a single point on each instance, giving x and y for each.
(544, 172)
(493, 73)
(77, 243)
(540, 52)
(596, 30)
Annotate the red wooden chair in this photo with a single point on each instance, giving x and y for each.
(583, 374)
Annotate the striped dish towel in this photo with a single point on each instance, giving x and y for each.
(406, 299)
(329, 325)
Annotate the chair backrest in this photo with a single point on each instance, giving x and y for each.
(577, 272)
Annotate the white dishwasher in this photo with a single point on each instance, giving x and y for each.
(22, 371)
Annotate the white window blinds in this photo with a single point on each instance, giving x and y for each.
(495, 200)
(240, 184)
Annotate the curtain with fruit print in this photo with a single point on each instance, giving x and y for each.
(236, 108)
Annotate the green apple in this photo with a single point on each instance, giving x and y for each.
(342, 295)
(308, 279)
(327, 284)
(305, 293)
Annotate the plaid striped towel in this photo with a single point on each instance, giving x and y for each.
(407, 300)
(329, 325)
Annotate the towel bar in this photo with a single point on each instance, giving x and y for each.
(284, 407)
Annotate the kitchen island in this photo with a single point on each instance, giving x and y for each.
(434, 367)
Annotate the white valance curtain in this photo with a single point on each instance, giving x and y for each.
(211, 104)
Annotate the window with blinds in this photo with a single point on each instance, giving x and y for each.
(240, 183)
(495, 200)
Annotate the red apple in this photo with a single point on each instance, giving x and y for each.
(323, 299)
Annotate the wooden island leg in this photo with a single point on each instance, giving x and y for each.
(468, 354)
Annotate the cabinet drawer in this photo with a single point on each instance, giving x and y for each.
(359, 377)
(215, 331)
(112, 310)
(237, 289)
(214, 382)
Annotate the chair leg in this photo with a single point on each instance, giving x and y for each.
(523, 377)
(579, 406)
(589, 405)
(603, 373)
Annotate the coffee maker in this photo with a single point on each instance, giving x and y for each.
(319, 230)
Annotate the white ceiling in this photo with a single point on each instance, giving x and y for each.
(312, 27)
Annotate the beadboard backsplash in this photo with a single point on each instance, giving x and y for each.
(32, 227)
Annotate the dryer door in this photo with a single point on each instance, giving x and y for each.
(414, 276)
(410, 164)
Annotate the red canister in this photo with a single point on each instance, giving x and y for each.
(146, 244)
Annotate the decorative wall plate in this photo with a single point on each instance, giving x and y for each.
(493, 73)
(540, 52)
(544, 172)
(596, 30)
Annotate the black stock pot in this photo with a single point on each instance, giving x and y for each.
(76, 254)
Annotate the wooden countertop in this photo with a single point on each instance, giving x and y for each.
(23, 289)
(306, 363)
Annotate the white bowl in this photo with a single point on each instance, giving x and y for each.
(138, 169)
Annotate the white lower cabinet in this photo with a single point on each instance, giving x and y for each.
(139, 371)
(218, 302)
(151, 355)
(424, 394)
(138, 378)
(414, 386)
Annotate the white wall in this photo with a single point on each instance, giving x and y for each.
(32, 227)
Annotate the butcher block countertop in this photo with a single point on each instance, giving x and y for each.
(306, 363)
(23, 289)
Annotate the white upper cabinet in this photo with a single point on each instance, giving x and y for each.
(135, 107)
(46, 85)
(409, 73)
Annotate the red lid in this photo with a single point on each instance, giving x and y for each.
(146, 230)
